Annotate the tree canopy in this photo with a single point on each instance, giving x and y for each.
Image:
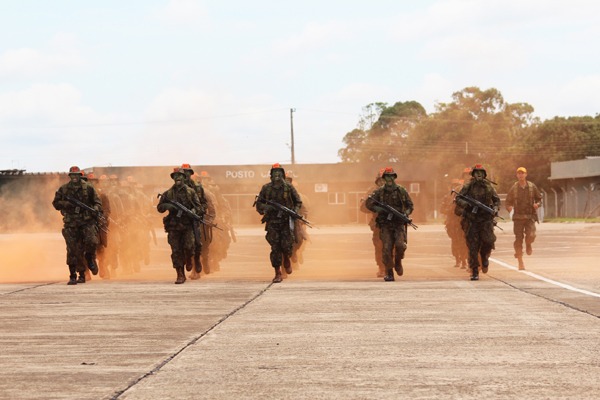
(477, 126)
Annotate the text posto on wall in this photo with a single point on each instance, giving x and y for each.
(241, 174)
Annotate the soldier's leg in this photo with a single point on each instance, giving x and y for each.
(378, 246)
(90, 243)
(488, 240)
(276, 255)
(474, 244)
(529, 229)
(399, 248)
(73, 250)
(175, 240)
(386, 234)
(287, 246)
(518, 230)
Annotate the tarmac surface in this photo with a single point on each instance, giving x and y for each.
(331, 330)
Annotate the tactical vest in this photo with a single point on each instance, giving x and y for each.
(85, 195)
(287, 198)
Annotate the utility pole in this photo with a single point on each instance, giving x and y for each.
(292, 131)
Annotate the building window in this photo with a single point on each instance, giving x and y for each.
(415, 187)
(336, 198)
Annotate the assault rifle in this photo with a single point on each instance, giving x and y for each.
(393, 212)
(476, 205)
(183, 209)
(281, 208)
(100, 218)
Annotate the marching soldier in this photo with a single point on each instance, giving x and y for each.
(81, 208)
(393, 231)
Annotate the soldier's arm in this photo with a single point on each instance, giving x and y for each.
(409, 206)
(296, 198)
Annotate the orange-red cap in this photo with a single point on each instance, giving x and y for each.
(75, 171)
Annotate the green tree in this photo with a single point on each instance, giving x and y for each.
(384, 139)
(478, 126)
(559, 139)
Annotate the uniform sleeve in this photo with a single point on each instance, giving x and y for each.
(409, 206)
(459, 201)
(202, 197)
(97, 203)
(196, 204)
(58, 203)
(496, 199)
(162, 203)
(296, 199)
(369, 203)
(260, 207)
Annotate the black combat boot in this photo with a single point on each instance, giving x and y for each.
(398, 267)
(475, 273)
(277, 277)
(287, 265)
(389, 275)
(180, 275)
(484, 265)
(197, 264)
(189, 264)
(81, 278)
(72, 275)
(91, 260)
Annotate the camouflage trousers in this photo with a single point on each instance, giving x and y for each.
(523, 229)
(480, 240)
(81, 240)
(279, 236)
(458, 243)
(393, 241)
(378, 247)
(182, 246)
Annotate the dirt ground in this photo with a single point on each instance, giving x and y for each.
(331, 330)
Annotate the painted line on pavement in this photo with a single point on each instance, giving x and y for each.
(541, 278)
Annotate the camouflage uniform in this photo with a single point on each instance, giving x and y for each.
(80, 225)
(524, 200)
(479, 226)
(279, 225)
(197, 187)
(376, 235)
(458, 244)
(178, 225)
(392, 230)
(300, 230)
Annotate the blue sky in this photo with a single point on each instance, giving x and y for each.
(163, 82)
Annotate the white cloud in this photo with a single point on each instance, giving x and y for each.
(183, 12)
(314, 36)
(56, 103)
(476, 53)
(60, 54)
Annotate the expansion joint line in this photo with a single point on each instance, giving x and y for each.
(190, 343)
(562, 303)
(29, 288)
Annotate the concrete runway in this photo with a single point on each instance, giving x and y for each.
(332, 330)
